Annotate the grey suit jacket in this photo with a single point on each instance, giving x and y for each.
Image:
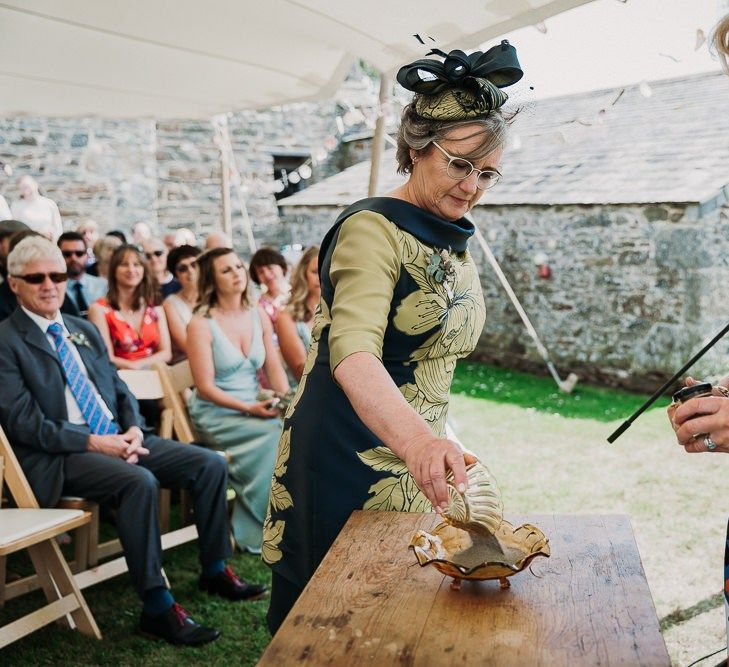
(33, 410)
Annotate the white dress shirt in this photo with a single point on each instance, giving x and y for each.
(74, 412)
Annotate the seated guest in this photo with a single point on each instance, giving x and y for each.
(228, 339)
(185, 236)
(140, 232)
(119, 234)
(82, 288)
(178, 307)
(295, 322)
(89, 229)
(169, 240)
(76, 430)
(8, 301)
(131, 323)
(103, 250)
(156, 253)
(40, 213)
(7, 229)
(217, 240)
(268, 269)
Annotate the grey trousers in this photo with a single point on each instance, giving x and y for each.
(133, 491)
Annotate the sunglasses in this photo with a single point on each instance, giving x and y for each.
(73, 253)
(154, 253)
(40, 278)
(184, 268)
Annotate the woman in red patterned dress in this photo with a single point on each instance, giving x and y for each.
(130, 319)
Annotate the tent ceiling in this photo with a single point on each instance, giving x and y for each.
(193, 59)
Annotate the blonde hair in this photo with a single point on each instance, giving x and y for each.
(207, 296)
(103, 250)
(720, 40)
(300, 287)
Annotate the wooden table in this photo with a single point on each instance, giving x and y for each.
(370, 603)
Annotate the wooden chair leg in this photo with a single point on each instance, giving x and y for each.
(81, 538)
(58, 582)
(93, 556)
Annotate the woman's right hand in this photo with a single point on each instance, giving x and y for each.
(429, 459)
(263, 409)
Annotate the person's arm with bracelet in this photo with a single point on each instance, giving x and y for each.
(364, 282)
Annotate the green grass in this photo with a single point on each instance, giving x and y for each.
(116, 609)
(501, 385)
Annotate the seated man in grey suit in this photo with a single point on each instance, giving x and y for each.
(82, 288)
(76, 430)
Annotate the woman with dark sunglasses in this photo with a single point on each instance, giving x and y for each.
(178, 306)
(156, 253)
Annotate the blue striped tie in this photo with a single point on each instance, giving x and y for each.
(80, 387)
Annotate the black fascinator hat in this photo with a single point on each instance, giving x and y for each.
(461, 87)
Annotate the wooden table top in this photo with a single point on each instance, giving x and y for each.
(370, 603)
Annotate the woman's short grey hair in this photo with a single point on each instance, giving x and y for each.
(31, 249)
(417, 134)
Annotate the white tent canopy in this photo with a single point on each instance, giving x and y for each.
(193, 59)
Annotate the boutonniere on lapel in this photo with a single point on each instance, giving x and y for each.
(440, 267)
(79, 339)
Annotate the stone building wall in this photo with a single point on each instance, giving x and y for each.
(93, 167)
(166, 173)
(634, 290)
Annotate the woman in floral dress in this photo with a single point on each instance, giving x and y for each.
(401, 302)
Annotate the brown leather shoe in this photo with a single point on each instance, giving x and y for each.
(227, 585)
(176, 627)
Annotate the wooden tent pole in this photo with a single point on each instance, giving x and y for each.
(378, 141)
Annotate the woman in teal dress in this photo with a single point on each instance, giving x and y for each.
(294, 323)
(400, 302)
(228, 341)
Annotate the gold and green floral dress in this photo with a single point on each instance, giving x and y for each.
(378, 295)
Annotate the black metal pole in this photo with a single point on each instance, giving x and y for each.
(659, 392)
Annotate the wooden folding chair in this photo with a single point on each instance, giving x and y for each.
(177, 382)
(89, 572)
(29, 527)
(146, 385)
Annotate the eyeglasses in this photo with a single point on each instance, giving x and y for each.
(459, 169)
(154, 253)
(40, 278)
(73, 253)
(184, 268)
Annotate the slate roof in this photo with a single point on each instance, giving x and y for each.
(670, 147)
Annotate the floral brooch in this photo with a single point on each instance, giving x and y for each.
(440, 267)
(78, 338)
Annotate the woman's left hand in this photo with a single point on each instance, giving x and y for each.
(429, 459)
(699, 418)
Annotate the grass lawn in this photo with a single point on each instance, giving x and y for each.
(549, 453)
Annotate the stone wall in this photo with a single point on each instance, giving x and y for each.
(166, 173)
(634, 290)
(90, 166)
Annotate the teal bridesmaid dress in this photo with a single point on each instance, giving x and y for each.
(249, 442)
